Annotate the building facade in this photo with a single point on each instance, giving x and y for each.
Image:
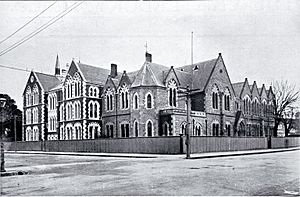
(89, 102)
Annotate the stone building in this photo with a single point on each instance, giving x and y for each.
(89, 102)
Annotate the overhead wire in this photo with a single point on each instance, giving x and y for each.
(14, 68)
(27, 23)
(41, 28)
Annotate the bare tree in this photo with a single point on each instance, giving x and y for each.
(288, 120)
(285, 97)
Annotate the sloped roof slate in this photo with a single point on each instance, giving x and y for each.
(47, 81)
(94, 74)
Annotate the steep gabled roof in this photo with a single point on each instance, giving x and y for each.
(150, 74)
(184, 78)
(93, 74)
(238, 87)
(200, 72)
(47, 81)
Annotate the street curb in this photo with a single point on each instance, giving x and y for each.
(82, 154)
(242, 154)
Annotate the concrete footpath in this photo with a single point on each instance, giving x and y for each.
(178, 156)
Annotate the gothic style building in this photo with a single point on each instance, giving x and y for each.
(88, 102)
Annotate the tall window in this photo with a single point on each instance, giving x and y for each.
(109, 100)
(28, 96)
(172, 89)
(124, 130)
(197, 130)
(135, 101)
(109, 130)
(124, 100)
(149, 128)
(93, 109)
(149, 101)
(227, 100)
(228, 129)
(136, 128)
(215, 127)
(215, 97)
(77, 85)
(35, 94)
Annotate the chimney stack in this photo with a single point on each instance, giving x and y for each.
(113, 70)
(148, 57)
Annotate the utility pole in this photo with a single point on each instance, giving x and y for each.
(188, 115)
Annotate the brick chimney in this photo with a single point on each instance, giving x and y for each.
(148, 57)
(113, 70)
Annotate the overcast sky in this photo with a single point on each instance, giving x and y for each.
(259, 40)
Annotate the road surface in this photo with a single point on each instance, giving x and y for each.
(264, 174)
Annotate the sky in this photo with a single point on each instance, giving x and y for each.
(259, 40)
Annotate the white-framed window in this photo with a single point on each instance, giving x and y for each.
(197, 130)
(69, 111)
(28, 96)
(109, 100)
(29, 134)
(255, 106)
(94, 109)
(247, 104)
(149, 128)
(215, 97)
(78, 131)
(172, 93)
(35, 95)
(227, 99)
(136, 101)
(124, 128)
(28, 116)
(35, 133)
(69, 132)
(77, 85)
(149, 100)
(77, 110)
(124, 97)
(35, 115)
(264, 105)
(93, 92)
(62, 134)
(61, 112)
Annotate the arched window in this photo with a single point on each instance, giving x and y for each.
(109, 100)
(228, 129)
(96, 110)
(172, 89)
(215, 128)
(28, 96)
(149, 128)
(78, 131)
(149, 101)
(35, 94)
(135, 101)
(124, 100)
(227, 100)
(93, 130)
(125, 129)
(109, 130)
(91, 109)
(215, 97)
(183, 128)
(136, 128)
(165, 129)
(197, 129)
